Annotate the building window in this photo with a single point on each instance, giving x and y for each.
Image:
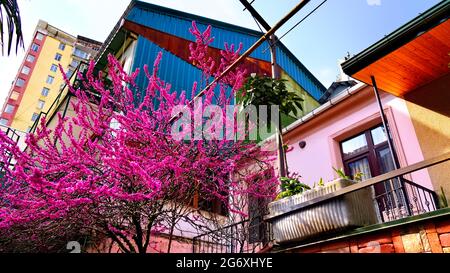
(45, 91)
(74, 63)
(50, 79)
(54, 68)
(58, 57)
(25, 70)
(35, 47)
(15, 95)
(9, 109)
(62, 46)
(34, 117)
(368, 154)
(41, 104)
(365, 152)
(30, 58)
(80, 53)
(20, 82)
(4, 122)
(39, 36)
(69, 73)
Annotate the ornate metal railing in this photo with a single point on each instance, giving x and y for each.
(403, 198)
(248, 236)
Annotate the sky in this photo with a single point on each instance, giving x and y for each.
(337, 27)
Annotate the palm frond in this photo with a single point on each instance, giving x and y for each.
(11, 22)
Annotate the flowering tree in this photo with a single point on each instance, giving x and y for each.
(114, 170)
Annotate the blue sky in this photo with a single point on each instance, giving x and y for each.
(338, 27)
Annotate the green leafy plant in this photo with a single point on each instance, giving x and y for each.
(321, 183)
(267, 91)
(341, 173)
(291, 186)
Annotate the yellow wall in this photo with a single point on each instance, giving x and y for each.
(32, 94)
(429, 108)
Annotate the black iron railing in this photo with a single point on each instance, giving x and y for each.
(248, 236)
(403, 198)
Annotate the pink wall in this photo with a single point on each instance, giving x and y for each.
(356, 114)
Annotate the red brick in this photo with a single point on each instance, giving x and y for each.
(445, 239)
(443, 227)
(336, 245)
(381, 239)
(339, 250)
(354, 247)
(398, 244)
(386, 248)
(430, 227)
(309, 249)
(435, 243)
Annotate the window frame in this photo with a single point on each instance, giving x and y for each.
(45, 94)
(27, 68)
(48, 81)
(14, 94)
(54, 66)
(34, 117)
(23, 81)
(371, 152)
(62, 46)
(39, 36)
(4, 121)
(41, 104)
(32, 56)
(9, 107)
(58, 57)
(35, 47)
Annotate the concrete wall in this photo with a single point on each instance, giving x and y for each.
(429, 107)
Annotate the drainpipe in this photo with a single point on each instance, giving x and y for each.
(385, 124)
(390, 141)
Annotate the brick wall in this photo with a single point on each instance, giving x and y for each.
(431, 236)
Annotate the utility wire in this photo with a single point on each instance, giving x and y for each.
(296, 25)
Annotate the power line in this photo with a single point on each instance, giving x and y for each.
(296, 25)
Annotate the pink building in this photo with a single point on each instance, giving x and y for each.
(347, 133)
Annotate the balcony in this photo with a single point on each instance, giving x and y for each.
(402, 202)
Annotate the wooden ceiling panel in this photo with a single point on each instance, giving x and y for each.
(415, 64)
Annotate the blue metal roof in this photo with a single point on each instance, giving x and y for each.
(170, 69)
(178, 23)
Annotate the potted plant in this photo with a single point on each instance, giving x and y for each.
(335, 215)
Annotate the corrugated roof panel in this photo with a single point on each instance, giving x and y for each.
(180, 74)
(178, 24)
(180, 27)
(171, 67)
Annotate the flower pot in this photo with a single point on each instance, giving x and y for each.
(339, 214)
